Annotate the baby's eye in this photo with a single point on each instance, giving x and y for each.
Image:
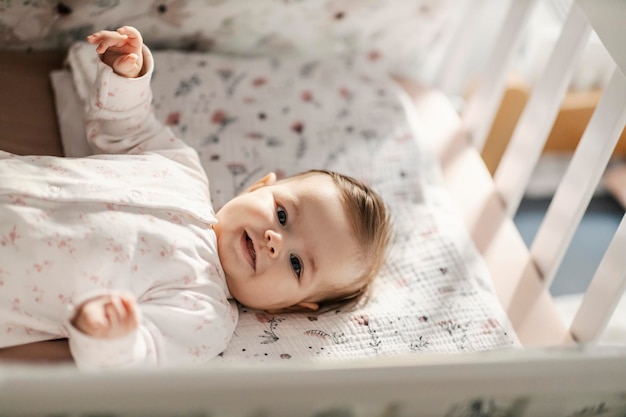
(296, 265)
(282, 215)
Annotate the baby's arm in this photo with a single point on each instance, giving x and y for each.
(104, 332)
(121, 50)
(178, 326)
(119, 117)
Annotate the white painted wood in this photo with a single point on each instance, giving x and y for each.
(483, 105)
(608, 19)
(518, 383)
(581, 178)
(535, 123)
(604, 292)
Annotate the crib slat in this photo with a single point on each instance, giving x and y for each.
(604, 292)
(607, 18)
(483, 105)
(581, 178)
(532, 130)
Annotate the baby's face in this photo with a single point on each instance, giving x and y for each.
(284, 243)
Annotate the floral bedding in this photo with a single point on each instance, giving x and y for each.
(249, 116)
(400, 33)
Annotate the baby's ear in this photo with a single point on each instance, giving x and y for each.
(269, 179)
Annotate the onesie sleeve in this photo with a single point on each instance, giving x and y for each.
(119, 114)
(181, 327)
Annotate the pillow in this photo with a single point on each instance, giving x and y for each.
(249, 116)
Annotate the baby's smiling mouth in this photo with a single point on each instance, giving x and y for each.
(251, 251)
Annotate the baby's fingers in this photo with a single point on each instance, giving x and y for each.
(130, 308)
(92, 324)
(127, 65)
(114, 312)
(131, 34)
(122, 315)
(106, 39)
(91, 318)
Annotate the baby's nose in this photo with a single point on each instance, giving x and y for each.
(274, 243)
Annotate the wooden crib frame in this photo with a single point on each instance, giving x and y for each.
(523, 277)
(572, 379)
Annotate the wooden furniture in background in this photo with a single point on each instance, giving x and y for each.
(575, 112)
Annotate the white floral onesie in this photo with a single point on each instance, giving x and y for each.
(135, 218)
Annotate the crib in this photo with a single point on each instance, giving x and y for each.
(559, 372)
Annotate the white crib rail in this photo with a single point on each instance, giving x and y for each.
(532, 130)
(607, 18)
(506, 383)
(605, 290)
(581, 179)
(609, 281)
(482, 108)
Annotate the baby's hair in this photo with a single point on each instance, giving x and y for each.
(371, 225)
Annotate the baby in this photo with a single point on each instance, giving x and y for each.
(128, 242)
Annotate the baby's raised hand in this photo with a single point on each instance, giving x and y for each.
(121, 50)
(107, 316)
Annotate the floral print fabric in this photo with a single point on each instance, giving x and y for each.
(249, 116)
(398, 32)
(76, 228)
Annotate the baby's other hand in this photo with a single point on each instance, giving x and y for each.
(121, 50)
(107, 316)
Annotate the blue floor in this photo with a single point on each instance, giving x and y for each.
(589, 243)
